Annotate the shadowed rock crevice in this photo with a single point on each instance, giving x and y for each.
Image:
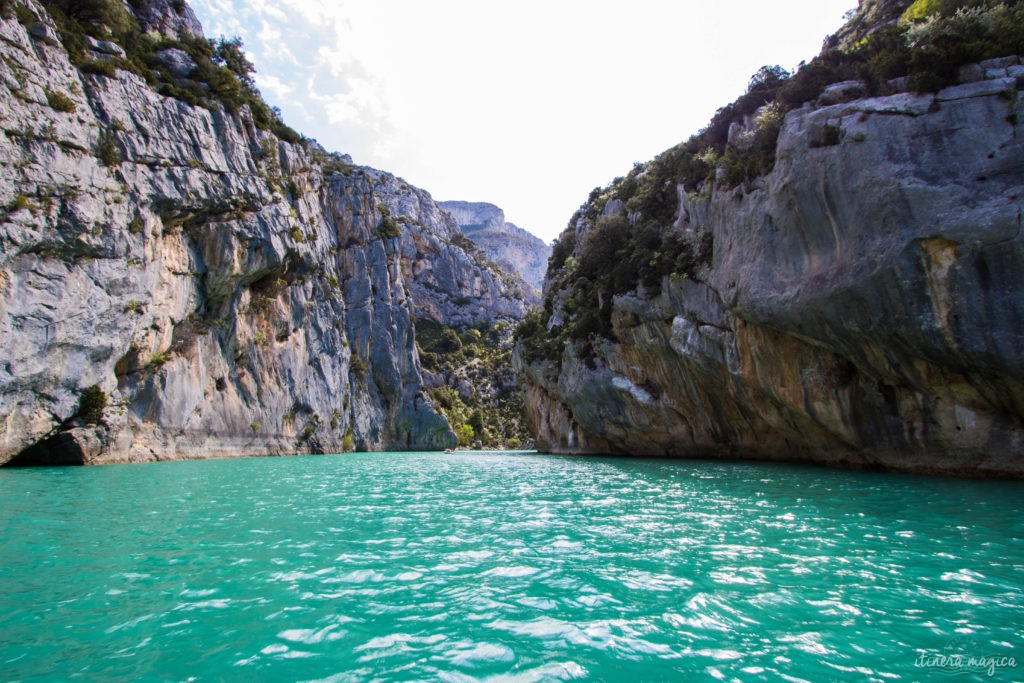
(66, 448)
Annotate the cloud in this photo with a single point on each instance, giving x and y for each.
(273, 88)
(529, 104)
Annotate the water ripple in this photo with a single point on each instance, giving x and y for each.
(499, 567)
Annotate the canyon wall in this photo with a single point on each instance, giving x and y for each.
(515, 249)
(860, 305)
(225, 292)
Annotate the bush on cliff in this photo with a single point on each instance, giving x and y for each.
(91, 404)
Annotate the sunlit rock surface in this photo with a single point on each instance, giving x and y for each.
(229, 295)
(863, 304)
(505, 243)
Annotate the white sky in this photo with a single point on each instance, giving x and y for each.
(527, 105)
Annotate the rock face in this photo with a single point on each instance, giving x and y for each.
(505, 243)
(863, 305)
(450, 280)
(228, 294)
(171, 18)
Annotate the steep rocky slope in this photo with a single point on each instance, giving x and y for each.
(859, 303)
(505, 243)
(229, 293)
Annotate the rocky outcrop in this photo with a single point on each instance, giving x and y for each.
(450, 281)
(229, 293)
(171, 18)
(507, 244)
(862, 307)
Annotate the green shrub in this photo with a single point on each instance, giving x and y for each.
(388, 229)
(476, 421)
(537, 344)
(939, 46)
(348, 442)
(830, 136)
(466, 435)
(106, 149)
(159, 358)
(136, 226)
(22, 202)
(100, 67)
(358, 368)
(26, 17)
(921, 9)
(255, 426)
(91, 404)
(59, 101)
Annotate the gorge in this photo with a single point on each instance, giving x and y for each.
(826, 273)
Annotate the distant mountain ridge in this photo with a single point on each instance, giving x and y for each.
(505, 243)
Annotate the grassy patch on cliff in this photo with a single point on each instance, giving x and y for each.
(478, 391)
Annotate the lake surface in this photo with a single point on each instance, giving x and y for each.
(406, 566)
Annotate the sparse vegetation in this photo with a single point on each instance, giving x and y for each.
(100, 67)
(479, 395)
(22, 202)
(358, 368)
(159, 358)
(106, 149)
(222, 75)
(59, 101)
(388, 229)
(26, 17)
(91, 404)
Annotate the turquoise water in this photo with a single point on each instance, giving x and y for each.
(504, 566)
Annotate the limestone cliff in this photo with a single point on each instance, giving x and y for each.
(229, 293)
(860, 304)
(504, 243)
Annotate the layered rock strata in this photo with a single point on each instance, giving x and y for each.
(863, 305)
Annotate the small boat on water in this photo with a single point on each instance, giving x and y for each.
(447, 450)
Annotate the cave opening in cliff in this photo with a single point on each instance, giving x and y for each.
(58, 450)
